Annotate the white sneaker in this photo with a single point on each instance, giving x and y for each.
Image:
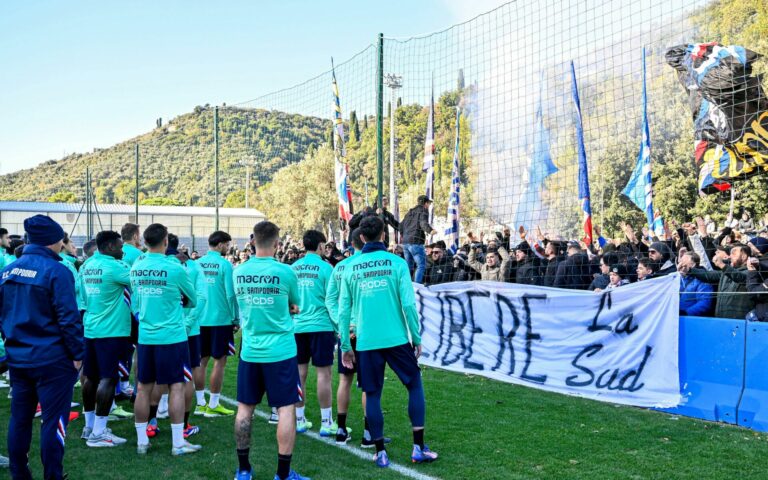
(162, 413)
(185, 449)
(115, 438)
(273, 419)
(142, 449)
(106, 439)
(86, 433)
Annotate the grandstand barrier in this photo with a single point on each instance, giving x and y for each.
(712, 364)
(753, 408)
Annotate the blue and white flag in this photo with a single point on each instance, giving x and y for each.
(453, 200)
(639, 189)
(530, 207)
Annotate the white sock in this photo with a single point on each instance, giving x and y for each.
(200, 397)
(99, 425)
(299, 413)
(177, 433)
(114, 406)
(141, 434)
(326, 414)
(163, 405)
(214, 400)
(90, 417)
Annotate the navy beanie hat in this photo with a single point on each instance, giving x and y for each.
(43, 230)
(761, 244)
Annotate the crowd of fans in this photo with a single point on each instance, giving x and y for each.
(723, 271)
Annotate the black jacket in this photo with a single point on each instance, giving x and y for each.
(528, 273)
(574, 273)
(756, 286)
(440, 272)
(550, 271)
(415, 226)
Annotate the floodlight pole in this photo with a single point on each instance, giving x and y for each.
(136, 190)
(393, 82)
(379, 118)
(246, 162)
(216, 164)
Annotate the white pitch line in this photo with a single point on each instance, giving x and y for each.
(359, 453)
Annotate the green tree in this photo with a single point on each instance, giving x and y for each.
(354, 127)
(63, 197)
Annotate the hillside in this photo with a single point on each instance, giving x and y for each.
(176, 160)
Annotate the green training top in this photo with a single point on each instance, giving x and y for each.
(103, 281)
(130, 254)
(265, 290)
(376, 290)
(313, 275)
(6, 259)
(158, 285)
(79, 296)
(332, 292)
(192, 315)
(221, 307)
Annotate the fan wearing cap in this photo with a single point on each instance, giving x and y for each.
(414, 228)
(660, 253)
(44, 342)
(527, 271)
(759, 247)
(618, 276)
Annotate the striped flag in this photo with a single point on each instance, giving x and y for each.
(343, 192)
(429, 153)
(583, 170)
(453, 200)
(639, 189)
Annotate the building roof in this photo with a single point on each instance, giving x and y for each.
(50, 207)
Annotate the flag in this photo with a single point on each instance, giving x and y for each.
(583, 170)
(429, 152)
(729, 109)
(453, 200)
(338, 123)
(529, 207)
(343, 192)
(639, 189)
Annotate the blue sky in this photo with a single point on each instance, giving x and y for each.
(84, 74)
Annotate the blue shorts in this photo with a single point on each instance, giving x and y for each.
(217, 342)
(280, 381)
(105, 358)
(342, 369)
(317, 346)
(164, 364)
(194, 351)
(371, 363)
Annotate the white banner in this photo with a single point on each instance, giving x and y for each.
(616, 346)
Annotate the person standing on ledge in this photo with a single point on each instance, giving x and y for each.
(414, 228)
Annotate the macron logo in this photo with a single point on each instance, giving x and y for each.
(372, 264)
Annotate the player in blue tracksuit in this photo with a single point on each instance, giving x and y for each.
(44, 345)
